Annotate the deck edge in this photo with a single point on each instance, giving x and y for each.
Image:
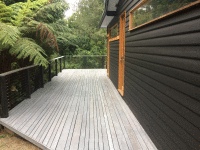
(38, 144)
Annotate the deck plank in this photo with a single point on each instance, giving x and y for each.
(82, 136)
(54, 139)
(68, 126)
(73, 138)
(79, 110)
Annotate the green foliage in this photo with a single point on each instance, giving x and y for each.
(52, 11)
(90, 40)
(5, 13)
(9, 2)
(27, 48)
(46, 36)
(29, 30)
(84, 61)
(89, 13)
(35, 30)
(22, 12)
(8, 35)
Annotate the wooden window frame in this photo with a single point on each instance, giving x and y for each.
(142, 2)
(116, 37)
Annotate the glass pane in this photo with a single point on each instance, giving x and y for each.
(153, 9)
(114, 31)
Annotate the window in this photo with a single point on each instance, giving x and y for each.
(114, 31)
(150, 10)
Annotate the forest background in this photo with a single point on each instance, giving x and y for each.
(35, 31)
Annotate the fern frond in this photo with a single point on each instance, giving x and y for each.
(36, 5)
(60, 27)
(65, 41)
(5, 13)
(27, 48)
(25, 10)
(8, 35)
(52, 11)
(46, 36)
(21, 10)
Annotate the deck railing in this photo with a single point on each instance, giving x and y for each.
(55, 66)
(85, 61)
(19, 84)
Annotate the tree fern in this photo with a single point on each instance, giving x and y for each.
(27, 48)
(21, 10)
(25, 10)
(52, 11)
(60, 27)
(37, 4)
(46, 36)
(5, 13)
(8, 35)
(40, 20)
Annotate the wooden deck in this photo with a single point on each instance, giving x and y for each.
(78, 110)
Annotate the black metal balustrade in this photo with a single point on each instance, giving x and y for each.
(19, 84)
(55, 66)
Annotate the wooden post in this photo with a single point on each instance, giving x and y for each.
(3, 97)
(41, 72)
(27, 81)
(60, 64)
(49, 71)
(56, 66)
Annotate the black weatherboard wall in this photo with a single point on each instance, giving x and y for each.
(162, 76)
(114, 56)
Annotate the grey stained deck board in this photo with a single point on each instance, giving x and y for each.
(78, 110)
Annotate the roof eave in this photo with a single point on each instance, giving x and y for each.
(109, 13)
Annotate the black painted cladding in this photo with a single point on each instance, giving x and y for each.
(114, 56)
(162, 77)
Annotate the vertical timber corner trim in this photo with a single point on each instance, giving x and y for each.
(121, 62)
(110, 39)
(108, 54)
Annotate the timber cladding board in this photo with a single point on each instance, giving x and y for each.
(162, 76)
(114, 56)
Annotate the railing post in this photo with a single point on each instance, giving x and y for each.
(56, 66)
(4, 100)
(49, 71)
(41, 72)
(27, 81)
(60, 64)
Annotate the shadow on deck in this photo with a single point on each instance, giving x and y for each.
(79, 109)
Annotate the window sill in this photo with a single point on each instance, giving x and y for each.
(114, 39)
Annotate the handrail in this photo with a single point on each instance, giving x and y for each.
(24, 68)
(86, 61)
(21, 83)
(17, 70)
(86, 55)
(57, 58)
